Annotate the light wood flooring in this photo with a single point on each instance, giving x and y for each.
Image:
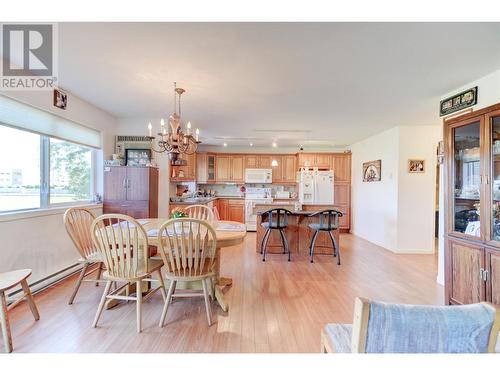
(274, 306)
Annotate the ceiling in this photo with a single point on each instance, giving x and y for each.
(318, 84)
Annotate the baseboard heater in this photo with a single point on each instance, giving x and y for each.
(48, 281)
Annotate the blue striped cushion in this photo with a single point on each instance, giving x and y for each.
(340, 334)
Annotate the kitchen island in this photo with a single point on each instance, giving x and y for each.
(298, 233)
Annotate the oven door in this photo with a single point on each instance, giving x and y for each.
(250, 217)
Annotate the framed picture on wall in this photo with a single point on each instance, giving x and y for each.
(372, 171)
(416, 166)
(60, 99)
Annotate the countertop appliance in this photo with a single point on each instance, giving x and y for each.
(258, 176)
(316, 187)
(254, 196)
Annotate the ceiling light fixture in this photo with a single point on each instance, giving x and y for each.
(275, 144)
(225, 144)
(175, 141)
(251, 144)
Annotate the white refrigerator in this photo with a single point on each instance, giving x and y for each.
(316, 187)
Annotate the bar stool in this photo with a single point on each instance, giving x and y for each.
(277, 219)
(328, 222)
(9, 280)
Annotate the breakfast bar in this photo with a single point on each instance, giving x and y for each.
(298, 233)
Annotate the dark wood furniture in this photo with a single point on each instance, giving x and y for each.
(328, 222)
(472, 207)
(275, 219)
(131, 191)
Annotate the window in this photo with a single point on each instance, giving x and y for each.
(29, 163)
(19, 169)
(70, 172)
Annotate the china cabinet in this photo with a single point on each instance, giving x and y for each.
(472, 155)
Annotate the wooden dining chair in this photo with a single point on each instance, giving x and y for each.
(187, 247)
(123, 245)
(9, 280)
(200, 212)
(77, 222)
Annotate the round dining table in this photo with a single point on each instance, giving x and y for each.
(228, 233)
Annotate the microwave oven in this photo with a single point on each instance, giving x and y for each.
(258, 176)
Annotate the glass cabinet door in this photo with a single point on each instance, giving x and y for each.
(467, 179)
(495, 177)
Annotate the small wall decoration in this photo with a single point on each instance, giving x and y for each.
(459, 101)
(372, 171)
(60, 99)
(416, 166)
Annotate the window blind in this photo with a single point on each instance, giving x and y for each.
(26, 117)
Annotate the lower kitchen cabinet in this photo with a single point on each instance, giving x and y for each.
(236, 210)
(493, 276)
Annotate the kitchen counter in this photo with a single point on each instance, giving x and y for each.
(203, 200)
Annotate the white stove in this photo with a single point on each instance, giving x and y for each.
(255, 196)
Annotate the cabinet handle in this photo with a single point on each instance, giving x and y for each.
(124, 183)
(485, 274)
(128, 183)
(481, 274)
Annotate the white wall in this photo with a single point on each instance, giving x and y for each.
(132, 126)
(39, 241)
(397, 212)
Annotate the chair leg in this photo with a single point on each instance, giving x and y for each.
(264, 251)
(78, 283)
(139, 305)
(266, 233)
(99, 272)
(171, 290)
(207, 301)
(336, 249)
(29, 298)
(101, 304)
(4, 322)
(162, 286)
(313, 242)
(284, 241)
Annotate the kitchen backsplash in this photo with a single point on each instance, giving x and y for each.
(229, 189)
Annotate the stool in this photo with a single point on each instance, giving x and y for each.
(9, 280)
(277, 219)
(328, 222)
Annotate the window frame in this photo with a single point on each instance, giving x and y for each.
(44, 197)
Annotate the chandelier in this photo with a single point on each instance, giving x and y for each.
(176, 141)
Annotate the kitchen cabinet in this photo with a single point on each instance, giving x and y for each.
(341, 166)
(236, 210)
(222, 207)
(186, 172)
(229, 168)
(314, 160)
(289, 169)
(265, 161)
(131, 191)
(205, 168)
(252, 161)
(278, 169)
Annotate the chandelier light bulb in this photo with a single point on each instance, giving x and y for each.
(189, 128)
(197, 132)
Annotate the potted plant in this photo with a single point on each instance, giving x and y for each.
(178, 213)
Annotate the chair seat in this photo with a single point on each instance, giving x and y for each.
(339, 336)
(324, 227)
(274, 225)
(12, 278)
(153, 265)
(180, 275)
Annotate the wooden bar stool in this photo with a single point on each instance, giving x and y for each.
(277, 219)
(9, 280)
(328, 222)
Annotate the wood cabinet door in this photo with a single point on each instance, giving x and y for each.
(223, 168)
(278, 170)
(222, 208)
(237, 168)
(265, 161)
(493, 276)
(236, 212)
(137, 184)
(341, 165)
(191, 167)
(306, 160)
(289, 171)
(201, 167)
(115, 181)
(342, 193)
(322, 161)
(467, 285)
(251, 161)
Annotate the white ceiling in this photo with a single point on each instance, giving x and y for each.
(321, 84)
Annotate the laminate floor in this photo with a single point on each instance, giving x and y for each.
(274, 306)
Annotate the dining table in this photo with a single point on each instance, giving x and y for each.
(228, 233)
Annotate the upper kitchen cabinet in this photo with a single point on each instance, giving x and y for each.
(341, 166)
(229, 168)
(205, 168)
(278, 169)
(265, 161)
(184, 172)
(321, 161)
(252, 161)
(289, 169)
